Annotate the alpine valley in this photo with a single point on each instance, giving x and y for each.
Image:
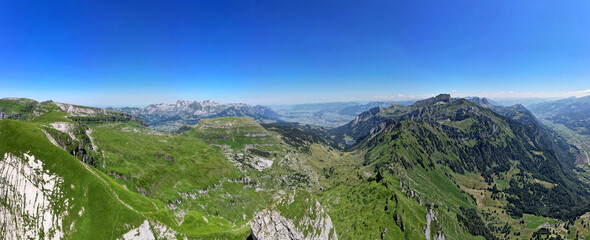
(437, 168)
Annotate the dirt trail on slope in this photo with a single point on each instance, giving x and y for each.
(108, 189)
(113, 193)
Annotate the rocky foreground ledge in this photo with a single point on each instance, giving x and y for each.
(296, 216)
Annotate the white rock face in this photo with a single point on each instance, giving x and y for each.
(204, 108)
(259, 163)
(28, 191)
(89, 134)
(270, 224)
(164, 232)
(143, 232)
(80, 111)
(65, 127)
(149, 230)
(430, 219)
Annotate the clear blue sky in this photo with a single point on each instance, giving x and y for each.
(138, 52)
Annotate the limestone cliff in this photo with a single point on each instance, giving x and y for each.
(296, 216)
(27, 194)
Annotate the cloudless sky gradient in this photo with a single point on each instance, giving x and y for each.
(112, 53)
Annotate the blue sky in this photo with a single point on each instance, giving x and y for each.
(104, 53)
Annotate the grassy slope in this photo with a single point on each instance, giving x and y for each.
(232, 131)
(105, 217)
(166, 166)
(182, 170)
(25, 109)
(161, 164)
(378, 208)
(243, 136)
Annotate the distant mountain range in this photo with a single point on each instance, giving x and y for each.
(172, 116)
(515, 112)
(572, 112)
(570, 117)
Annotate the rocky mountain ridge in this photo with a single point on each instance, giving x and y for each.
(272, 224)
(24, 109)
(516, 112)
(172, 116)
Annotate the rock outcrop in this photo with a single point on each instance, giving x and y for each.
(283, 220)
(80, 111)
(67, 128)
(143, 232)
(27, 192)
(428, 230)
(271, 225)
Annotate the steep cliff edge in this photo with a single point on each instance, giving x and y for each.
(27, 194)
(295, 216)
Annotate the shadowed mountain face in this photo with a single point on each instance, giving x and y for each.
(467, 137)
(172, 116)
(515, 112)
(369, 122)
